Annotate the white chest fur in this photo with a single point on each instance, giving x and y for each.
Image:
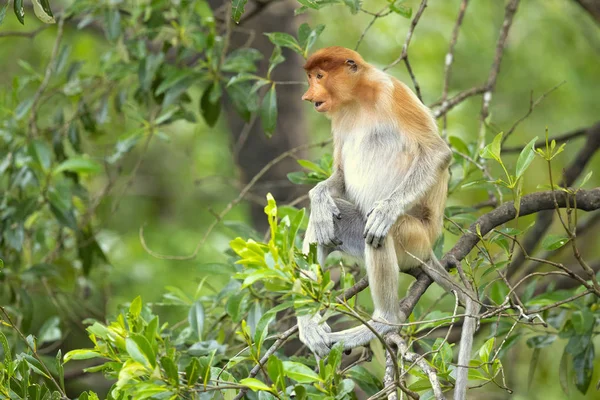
(372, 162)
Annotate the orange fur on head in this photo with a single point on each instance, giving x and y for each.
(333, 73)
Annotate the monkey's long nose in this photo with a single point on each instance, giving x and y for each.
(307, 96)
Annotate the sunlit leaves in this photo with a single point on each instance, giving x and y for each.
(492, 150)
(526, 157)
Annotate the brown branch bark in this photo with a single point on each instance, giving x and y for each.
(592, 7)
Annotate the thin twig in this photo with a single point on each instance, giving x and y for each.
(510, 10)
(409, 35)
(450, 59)
(532, 106)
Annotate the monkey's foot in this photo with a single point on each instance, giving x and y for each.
(315, 335)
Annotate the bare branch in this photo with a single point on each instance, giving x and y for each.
(509, 13)
(409, 35)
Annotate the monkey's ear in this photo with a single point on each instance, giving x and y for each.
(352, 65)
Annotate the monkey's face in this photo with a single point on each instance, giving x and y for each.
(317, 92)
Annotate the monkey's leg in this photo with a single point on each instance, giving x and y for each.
(348, 230)
(383, 265)
(383, 274)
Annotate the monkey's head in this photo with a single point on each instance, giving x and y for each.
(333, 73)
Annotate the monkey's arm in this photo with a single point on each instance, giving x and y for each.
(323, 208)
(429, 160)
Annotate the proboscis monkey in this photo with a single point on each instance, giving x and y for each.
(384, 202)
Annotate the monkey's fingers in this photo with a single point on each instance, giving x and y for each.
(377, 232)
(334, 208)
(326, 235)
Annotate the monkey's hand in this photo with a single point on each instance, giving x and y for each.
(379, 221)
(314, 334)
(323, 210)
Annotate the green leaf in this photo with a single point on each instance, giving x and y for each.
(139, 349)
(41, 153)
(268, 111)
(275, 371)
(135, 308)
(541, 341)
(112, 20)
(23, 108)
(526, 157)
(60, 205)
(276, 59)
(486, 350)
(532, 366)
(80, 165)
(237, 9)
(583, 366)
(254, 384)
(310, 4)
(19, 11)
(586, 178)
(237, 305)
(284, 40)
(242, 60)
(307, 37)
(42, 11)
(353, 5)
(299, 372)
(563, 372)
(50, 330)
(553, 242)
(196, 319)
(400, 7)
(3, 11)
(81, 354)
(210, 110)
(244, 100)
(492, 150)
(5, 349)
(170, 369)
(192, 372)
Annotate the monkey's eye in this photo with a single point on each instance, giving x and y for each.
(319, 76)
